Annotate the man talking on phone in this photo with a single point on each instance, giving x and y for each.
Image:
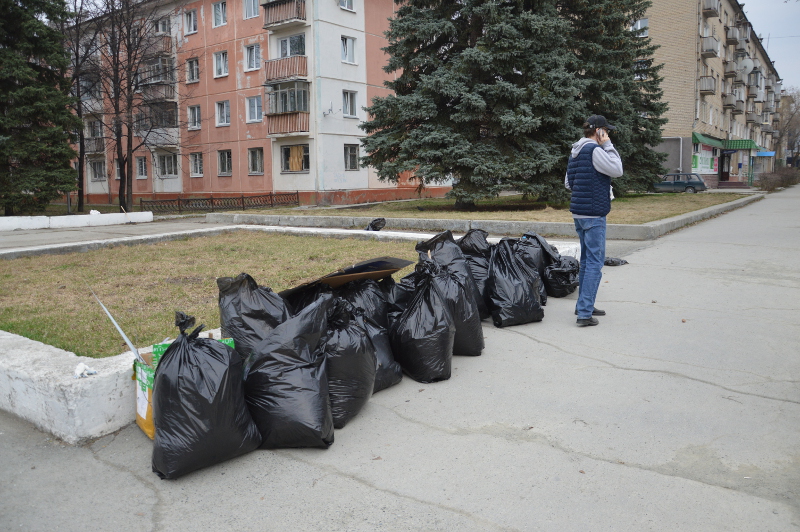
(592, 165)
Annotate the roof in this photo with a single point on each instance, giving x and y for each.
(698, 138)
(742, 144)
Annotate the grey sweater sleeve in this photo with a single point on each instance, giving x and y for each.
(607, 160)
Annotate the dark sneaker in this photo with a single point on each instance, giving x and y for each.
(587, 322)
(595, 312)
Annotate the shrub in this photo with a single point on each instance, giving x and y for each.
(780, 178)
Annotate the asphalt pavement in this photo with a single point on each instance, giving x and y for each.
(680, 411)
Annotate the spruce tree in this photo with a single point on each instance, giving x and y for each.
(35, 120)
(485, 94)
(622, 82)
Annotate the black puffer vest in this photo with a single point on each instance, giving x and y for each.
(590, 189)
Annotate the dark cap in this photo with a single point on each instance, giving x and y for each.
(598, 121)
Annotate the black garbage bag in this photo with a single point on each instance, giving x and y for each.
(513, 290)
(387, 371)
(351, 362)
(561, 278)
(551, 254)
(303, 297)
(198, 405)
(249, 312)
(533, 256)
(443, 250)
(400, 296)
(387, 285)
(422, 335)
(376, 225)
(286, 382)
(477, 251)
(614, 261)
(366, 294)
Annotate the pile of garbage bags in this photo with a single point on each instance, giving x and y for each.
(307, 364)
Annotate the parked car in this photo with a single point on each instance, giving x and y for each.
(681, 183)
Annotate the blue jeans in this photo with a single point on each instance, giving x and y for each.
(592, 234)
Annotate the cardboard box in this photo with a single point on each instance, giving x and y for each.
(376, 268)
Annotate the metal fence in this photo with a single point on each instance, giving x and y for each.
(180, 205)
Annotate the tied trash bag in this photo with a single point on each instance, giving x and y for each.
(286, 382)
(350, 356)
(477, 251)
(513, 289)
(422, 335)
(303, 297)
(198, 405)
(366, 294)
(532, 255)
(400, 296)
(248, 312)
(444, 251)
(376, 225)
(387, 371)
(561, 278)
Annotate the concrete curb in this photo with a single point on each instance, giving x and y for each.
(647, 231)
(13, 223)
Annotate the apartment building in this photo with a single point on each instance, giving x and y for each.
(723, 91)
(252, 98)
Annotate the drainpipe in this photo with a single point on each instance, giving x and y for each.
(680, 151)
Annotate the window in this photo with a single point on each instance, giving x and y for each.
(97, 170)
(294, 158)
(255, 160)
(141, 168)
(640, 28)
(160, 69)
(289, 97)
(348, 50)
(192, 70)
(162, 25)
(224, 113)
(351, 156)
(220, 14)
(252, 57)
(291, 46)
(94, 129)
(167, 165)
(194, 117)
(250, 8)
(349, 103)
(116, 170)
(162, 114)
(225, 162)
(254, 113)
(220, 64)
(640, 70)
(346, 4)
(191, 22)
(196, 165)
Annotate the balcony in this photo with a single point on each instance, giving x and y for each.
(760, 96)
(769, 82)
(738, 78)
(730, 69)
(752, 91)
(707, 85)
(778, 88)
(766, 129)
(731, 35)
(739, 108)
(744, 31)
(709, 47)
(768, 107)
(283, 12)
(158, 92)
(729, 101)
(159, 45)
(94, 144)
(286, 68)
(92, 105)
(751, 118)
(741, 45)
(287, 123)
(711, 8)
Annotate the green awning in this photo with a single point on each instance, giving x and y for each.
(742, 144)
(697, 138)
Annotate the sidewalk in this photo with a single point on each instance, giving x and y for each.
(680, 411)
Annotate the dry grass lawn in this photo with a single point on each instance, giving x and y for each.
(46, 298)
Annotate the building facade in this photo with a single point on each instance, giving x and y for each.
(257, 98)
(722, 89)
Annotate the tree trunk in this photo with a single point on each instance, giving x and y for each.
(462, 205)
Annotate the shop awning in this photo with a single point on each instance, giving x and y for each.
(698, 138)
(765, 154)
(742, 144)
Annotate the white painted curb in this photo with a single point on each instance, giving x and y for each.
(13, 223)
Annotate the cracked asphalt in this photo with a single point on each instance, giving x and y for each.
(680, 411)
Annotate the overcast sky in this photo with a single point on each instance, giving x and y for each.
(780, 21)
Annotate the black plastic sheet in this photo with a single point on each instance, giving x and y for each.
(513, 288)
(198, 405)
(286, 382)
(248, 312)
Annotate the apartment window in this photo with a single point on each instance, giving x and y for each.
(220, 64)
(640, 70)
(346, 4)
(252, 56)
(349, 103)
(348, 50)
(220, 14)
(224, 113)
(640, 28)
(162, 25)
(97, 170)
(191, 22)
(94, 129)
(351, 156)
(293, 45)
(192, 70)
(167, 165)
(255, 160)
(141, 168)
(194, 116)
(250, 8)
(116, 170)
(295, 158)
(225, 162)
(254, 112)
(196, 165)
(289, 97)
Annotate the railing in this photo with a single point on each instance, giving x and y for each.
(766, 128)
(741, 45)
(159, 45)
(286, 68)
(282, 11)
(287, 123)
(744, 31)
(709, 47)
(708, 85)
(752, 91)
(731, 35)
(730, 69)
(711, 8)
(739, 109)
(729, 101)
(158, 91)
(94, 144)
(219, 204)
(751, 117)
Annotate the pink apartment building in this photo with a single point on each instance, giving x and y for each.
(267, 98)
